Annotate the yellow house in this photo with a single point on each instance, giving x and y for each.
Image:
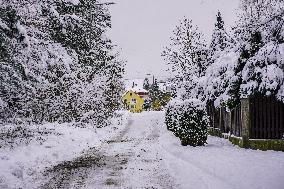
(133, 101)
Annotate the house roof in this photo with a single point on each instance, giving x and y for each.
(135, 85)
(162, 86)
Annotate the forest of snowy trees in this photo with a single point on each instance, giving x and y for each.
(247, 61)
(56, 62)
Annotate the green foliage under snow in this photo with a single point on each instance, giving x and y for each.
(188, 120)
(56, 62)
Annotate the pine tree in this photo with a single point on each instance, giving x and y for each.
(220, 40)
(154, 91)
(186, 57)
(146, 84)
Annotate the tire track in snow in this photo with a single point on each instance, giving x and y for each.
(134, 154)
(73, 174)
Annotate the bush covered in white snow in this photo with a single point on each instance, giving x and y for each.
(188, 120)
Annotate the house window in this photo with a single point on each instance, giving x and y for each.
(130, 94)
(132, 106)
(133, 100)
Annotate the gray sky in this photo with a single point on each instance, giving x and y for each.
(141, 28)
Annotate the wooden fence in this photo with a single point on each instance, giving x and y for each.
(236, 121)
(267, 118)
(256, 118)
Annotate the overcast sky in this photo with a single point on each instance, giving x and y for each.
(141, 28)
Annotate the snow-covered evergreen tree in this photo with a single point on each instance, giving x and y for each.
(186, 57)
(188, 120)
(61, 65)
(215, 81)
(220, 39)
(254, 65)
(259, 68)
(261, 28)
(146, 84)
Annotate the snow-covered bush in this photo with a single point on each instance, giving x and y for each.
(188, 120)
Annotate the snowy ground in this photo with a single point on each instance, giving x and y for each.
(27, 151)
(138, 154)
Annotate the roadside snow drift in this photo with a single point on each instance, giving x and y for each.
(37, 147)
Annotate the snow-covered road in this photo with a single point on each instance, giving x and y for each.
(145, 155)
(129, 160)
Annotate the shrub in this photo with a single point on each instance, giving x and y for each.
(188, 120)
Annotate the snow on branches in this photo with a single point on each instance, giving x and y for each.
(188, 120)
(246, 62)
(186, 57)
(56, 62)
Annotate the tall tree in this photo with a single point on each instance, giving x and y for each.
(260, 32)
(186, 57)
(254, 65)
(62, 59)
(146, 84)
(220, 39)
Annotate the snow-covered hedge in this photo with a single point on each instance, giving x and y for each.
(188, 120)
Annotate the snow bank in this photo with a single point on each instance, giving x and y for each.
(221, 165)
(45, 146)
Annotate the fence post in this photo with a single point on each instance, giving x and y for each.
(245, 121)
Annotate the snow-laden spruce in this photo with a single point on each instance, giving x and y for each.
(188, 120)
(255, 65)
(56, 63)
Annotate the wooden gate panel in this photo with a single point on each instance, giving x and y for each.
(266, 118)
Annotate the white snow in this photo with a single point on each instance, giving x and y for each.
(3, 25)
(162, 87)
(74, 2)
(23, 31)
(22, 164)
(135, 85)
(144, 154)
(156, 159)
(221, 165)
(2, 104)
